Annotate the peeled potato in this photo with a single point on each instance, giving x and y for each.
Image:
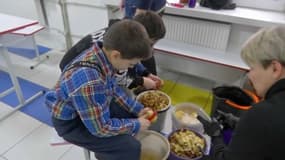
(187, 118)
(179, 114)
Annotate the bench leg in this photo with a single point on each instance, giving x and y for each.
(86, 154)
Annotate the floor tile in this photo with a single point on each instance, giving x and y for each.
(3, 158)
(15, 128)
(75, 153)
(52, 38)
(47, 78)
(36, 146)
(45, 74)
(196, 81)
(168, 75)
(21, 66)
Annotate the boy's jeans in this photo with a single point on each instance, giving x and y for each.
(130, 8)
(120, 147)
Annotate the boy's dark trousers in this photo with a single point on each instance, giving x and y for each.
(150, 65)
(111, 148)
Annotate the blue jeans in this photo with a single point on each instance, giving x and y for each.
(118, 147)
(130, 8)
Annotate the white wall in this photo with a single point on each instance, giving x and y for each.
(239, 34)
(84, 16)
(277, 5)
(23, 8)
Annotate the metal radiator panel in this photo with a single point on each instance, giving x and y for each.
(203, 33)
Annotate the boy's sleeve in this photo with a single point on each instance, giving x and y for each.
(137, 81)
(126, 101)
(91, 102)
(141, 70)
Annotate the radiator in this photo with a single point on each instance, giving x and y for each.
(202, 33)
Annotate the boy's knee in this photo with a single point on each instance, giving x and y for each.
(132, 150)
(135, 146)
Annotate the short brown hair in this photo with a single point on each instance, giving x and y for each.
(153, 24)
(129, 38)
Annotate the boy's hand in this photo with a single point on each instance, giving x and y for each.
(158, 82)
(148, 83)
(144, 123)
(143, 111)
(149, 114)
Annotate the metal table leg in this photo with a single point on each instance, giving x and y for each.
(16, 86)
(39, 58)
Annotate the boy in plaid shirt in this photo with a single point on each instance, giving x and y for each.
(80, 102)
(138, 76)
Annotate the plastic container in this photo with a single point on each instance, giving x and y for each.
(188, 108)
(191, 3)
(154, 145)
(158, 125)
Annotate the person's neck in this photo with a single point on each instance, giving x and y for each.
(108, 56)
(283, 73)
(107, 53)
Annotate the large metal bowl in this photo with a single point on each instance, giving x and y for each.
(154, 145)
(175, 156)
(161, 113)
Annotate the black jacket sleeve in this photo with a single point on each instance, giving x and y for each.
(137, 81)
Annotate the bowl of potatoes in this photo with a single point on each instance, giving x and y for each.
(159, 102)
(186, 144)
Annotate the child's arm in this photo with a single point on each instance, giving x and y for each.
(149, 82)
(126, 101)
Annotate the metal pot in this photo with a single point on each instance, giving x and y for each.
(154, 146)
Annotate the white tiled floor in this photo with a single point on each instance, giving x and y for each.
(24, 138)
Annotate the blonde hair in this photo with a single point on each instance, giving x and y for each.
(264, 46)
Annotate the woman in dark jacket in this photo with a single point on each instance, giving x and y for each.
(260, 133)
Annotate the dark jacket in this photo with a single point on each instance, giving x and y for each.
(260, 133)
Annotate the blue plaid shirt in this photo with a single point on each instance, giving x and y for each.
(87, 93)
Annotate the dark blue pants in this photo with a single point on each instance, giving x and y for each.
(150, 65)
(130, 8)
(121, 147)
